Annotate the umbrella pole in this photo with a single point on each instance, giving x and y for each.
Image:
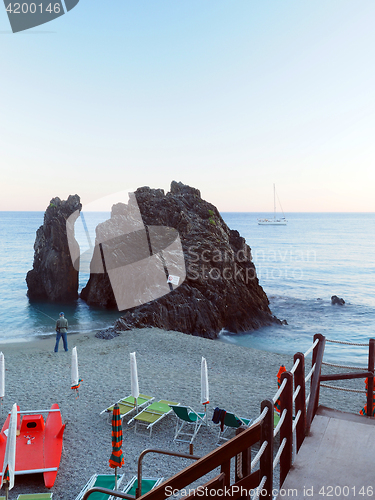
(7, 490)
(116, 478)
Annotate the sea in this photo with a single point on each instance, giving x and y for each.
(300, 266)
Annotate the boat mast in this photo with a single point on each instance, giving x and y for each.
(274, 203)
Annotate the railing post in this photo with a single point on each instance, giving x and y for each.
(243, 463)
(315, 380)
(286, 430)
(225, 469)
(266, 460)
(370, 384)
(300, 402)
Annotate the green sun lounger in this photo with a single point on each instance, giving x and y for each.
(34, 496)
(128, 405)
(148, 484)
(103, 481)
(152, 414)
(232, 421)
(186, 416)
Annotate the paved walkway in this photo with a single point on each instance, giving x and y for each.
(336, 460)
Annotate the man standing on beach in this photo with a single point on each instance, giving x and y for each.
(61, 329)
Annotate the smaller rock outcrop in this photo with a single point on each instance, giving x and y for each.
(337, 301)
(53, 276)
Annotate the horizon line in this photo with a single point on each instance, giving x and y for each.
(220, 211)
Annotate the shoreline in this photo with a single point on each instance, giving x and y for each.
(168, 368)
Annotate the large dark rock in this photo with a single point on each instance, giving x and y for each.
(221, 289)
(53, 276)
(337, 300)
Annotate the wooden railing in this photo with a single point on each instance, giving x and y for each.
(239, 448)
(362, 374)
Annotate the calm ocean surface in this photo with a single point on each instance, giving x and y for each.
(299, 266)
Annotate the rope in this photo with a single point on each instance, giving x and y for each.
(259, 489)
(296, 418)
(345, 366)
(312, 347)
(277, 395)
(278, 454)
(308, 399)
(258, 455)
(296, 392)
(342, 388)
(280, 423)
(239, 466)
(308, 376)
(295, 366)
(261, 417)
(346, 343)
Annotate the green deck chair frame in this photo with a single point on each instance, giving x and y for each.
(232, 421)
(148, 484)
(186, 416)
(128, 405)
(34, 496)
(101, 480)
(152, 414)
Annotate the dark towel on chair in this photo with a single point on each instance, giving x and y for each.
(218, 417)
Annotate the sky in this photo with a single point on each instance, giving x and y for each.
(229, 97)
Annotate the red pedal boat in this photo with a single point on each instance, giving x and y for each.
(39, 442)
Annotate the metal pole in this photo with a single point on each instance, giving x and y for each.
(138, 491)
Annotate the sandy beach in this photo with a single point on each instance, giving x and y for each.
(168, 368)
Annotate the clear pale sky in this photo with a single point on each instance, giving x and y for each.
(227, 96)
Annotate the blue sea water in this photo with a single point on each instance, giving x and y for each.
(300, 267)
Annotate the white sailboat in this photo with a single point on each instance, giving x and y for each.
(275, 221)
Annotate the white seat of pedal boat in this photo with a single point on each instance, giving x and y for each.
(34, 496)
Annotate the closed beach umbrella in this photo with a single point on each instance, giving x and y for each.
(76, 381)
(134, 378)
(205, 397)
(117, 458)
(2, 376)
(282, 369)
(10, 452)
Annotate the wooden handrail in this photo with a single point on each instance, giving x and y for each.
(219, 457)
(345, 376)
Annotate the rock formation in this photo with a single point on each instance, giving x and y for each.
(221, 289)
(337, 300)
(53, 276)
